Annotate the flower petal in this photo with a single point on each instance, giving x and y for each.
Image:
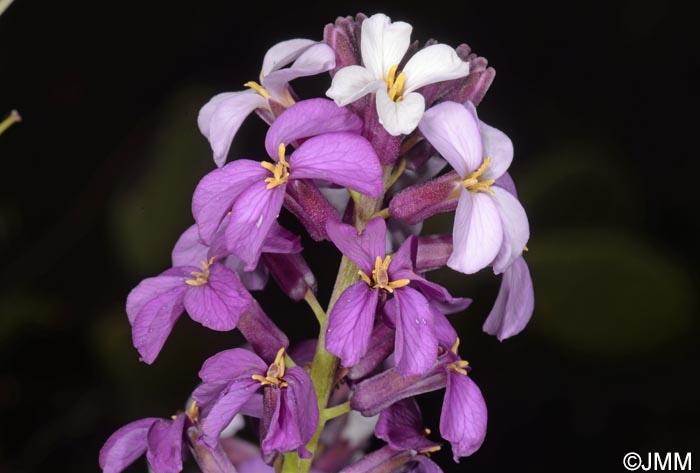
(231, 364)
(254, 280)
(404, 260)
(381, 460)
(281, 240)
(436, 63)
(515, 302)
(165, 446)
(364, 248)
(477, 233)
(401, 426)
(218, 190)
(383, 43)
(309, 118)
(284, 53)
(516, 229)
(252, 216)
(220, 119)
(315, 59)
(498, 147)
(444, 332)
(225, 408)
(125, 445)
(219, 303)
(337, 157)
(464, 415)
(350, 323)
(416, 346)
(150, 288)
(351, 83)
(400, 118)
(454, 132)
(189, 249)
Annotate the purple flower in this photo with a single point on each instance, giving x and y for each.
(490, 226)
(514, 304)
(212, 295)
(160, 439)
(253, 192)
(232, 379)
(221, 117)
(351, 320)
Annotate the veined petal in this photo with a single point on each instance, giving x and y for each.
(220, 119)
(165, 446)
(281, 240)
(400, 118)
(383, 43)
(284, 53)
(454, 132)
(498, 147)
(150, 288)
(351, 83)
(464, 415)
(426, 465)
(315, 59)
(350, 323)
(435, 63)
(231, 364)
(252, 216)
(444, 332)
(404, 260)
(516, 229)
(364, 248)
(125, 445)
(477, 233)
(254, 280)
(225, 408)
(219, 303)
(515, 302)
(309, 118)
(401, 426)
(416, 346)
(218, 190)
(342, 158)
(189, 249)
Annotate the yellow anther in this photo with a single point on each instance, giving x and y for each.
(280, 170)
(429, 450)
(193, 411)
(258, 88)
(394, 85)
(459, 367)
(275, 372)
(201, 277)
(455, 347)
(426, 431)
(472, 182)
(380, 276)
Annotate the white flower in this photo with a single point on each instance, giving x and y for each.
(383, 46)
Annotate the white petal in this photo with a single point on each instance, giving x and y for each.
(283, 53)
(383, 43)
(400, 117)
(352, 82)
(435, 63)
(314, 60)
(516, 229)
(453, 130)
(477, 233)
(499, 148)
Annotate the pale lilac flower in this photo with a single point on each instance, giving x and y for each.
(383, 46)
(254, 192)
(352, 318)
(514, 304)
(221, 117)
(491, 226)
(233, 377)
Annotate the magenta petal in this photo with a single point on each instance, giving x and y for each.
(401, 426)
(189, 249)
(296, 416)
(219, 303)
(309, 118)
(337, 157)
(252, 217)
(444, 331)
(254, 280)
(426, 465)
(125, 445)
(150, 288)
(416, 345)
(404, 259)
(231, 364)
(350, 323)
(165, 446)
(281, 240)
(463, 417)
(220, 119)
(218, 190)
(315, 59)
(362, 249)
(385, 459)
(232, 398)
(514, 304)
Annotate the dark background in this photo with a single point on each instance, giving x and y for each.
(96, 183)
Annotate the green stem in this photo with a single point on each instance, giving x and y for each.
(318, 311)
(336, 411)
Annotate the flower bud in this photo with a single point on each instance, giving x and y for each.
(292, 274)
(417, 203)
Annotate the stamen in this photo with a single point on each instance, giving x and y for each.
(279, 170)
(394, 85)
(429, 450)
(275, 372)
(193, 411)
(11, 119)
(472, 182)
(201, 277)
(459, 367)
(258, 88)
(380, 276)
(455, 346)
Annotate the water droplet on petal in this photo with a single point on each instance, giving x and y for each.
(329, 330)
(417, 321)
(259, 222)
(425, 322)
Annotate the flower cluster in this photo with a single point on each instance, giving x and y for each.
(363, 170)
